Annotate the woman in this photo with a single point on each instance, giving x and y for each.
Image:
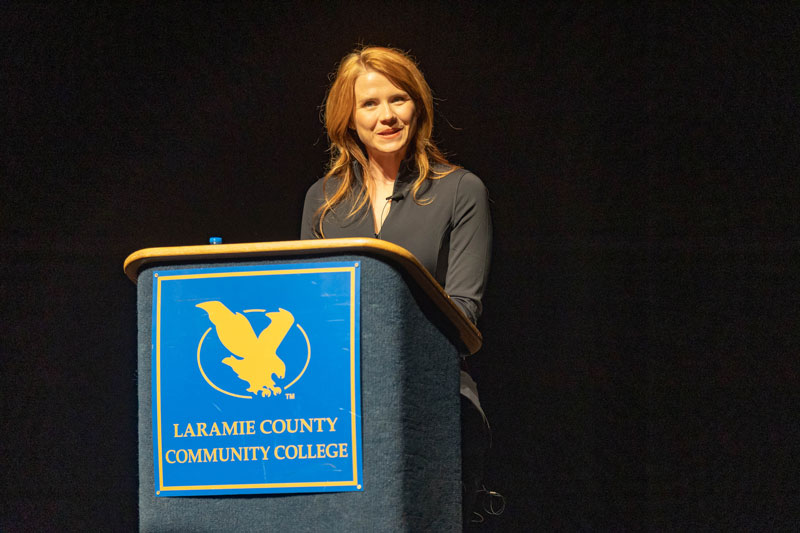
(387, 179)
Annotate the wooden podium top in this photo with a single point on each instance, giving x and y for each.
(399, 256)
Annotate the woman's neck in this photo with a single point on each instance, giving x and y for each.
(383, 168)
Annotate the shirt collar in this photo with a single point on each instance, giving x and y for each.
(406, 175)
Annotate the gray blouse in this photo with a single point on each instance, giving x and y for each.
(451, 235)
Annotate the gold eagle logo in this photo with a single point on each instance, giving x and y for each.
(254, 358)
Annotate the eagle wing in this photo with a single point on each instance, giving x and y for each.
(272, 336)
(233, 329)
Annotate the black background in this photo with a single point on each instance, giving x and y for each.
(640, 365)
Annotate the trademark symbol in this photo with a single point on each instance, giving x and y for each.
(290, 396)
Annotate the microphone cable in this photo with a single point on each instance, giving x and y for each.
(395, 196)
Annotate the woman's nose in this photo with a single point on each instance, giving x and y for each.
(387, 113)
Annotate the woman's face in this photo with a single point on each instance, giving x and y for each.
(384, 115)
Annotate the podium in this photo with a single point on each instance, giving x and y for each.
(410, 338)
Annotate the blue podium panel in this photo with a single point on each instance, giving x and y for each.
(256, 385)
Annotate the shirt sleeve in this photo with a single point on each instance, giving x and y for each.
(312, 203)
(470, 246)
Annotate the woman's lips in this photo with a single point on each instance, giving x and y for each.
(390, 133)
